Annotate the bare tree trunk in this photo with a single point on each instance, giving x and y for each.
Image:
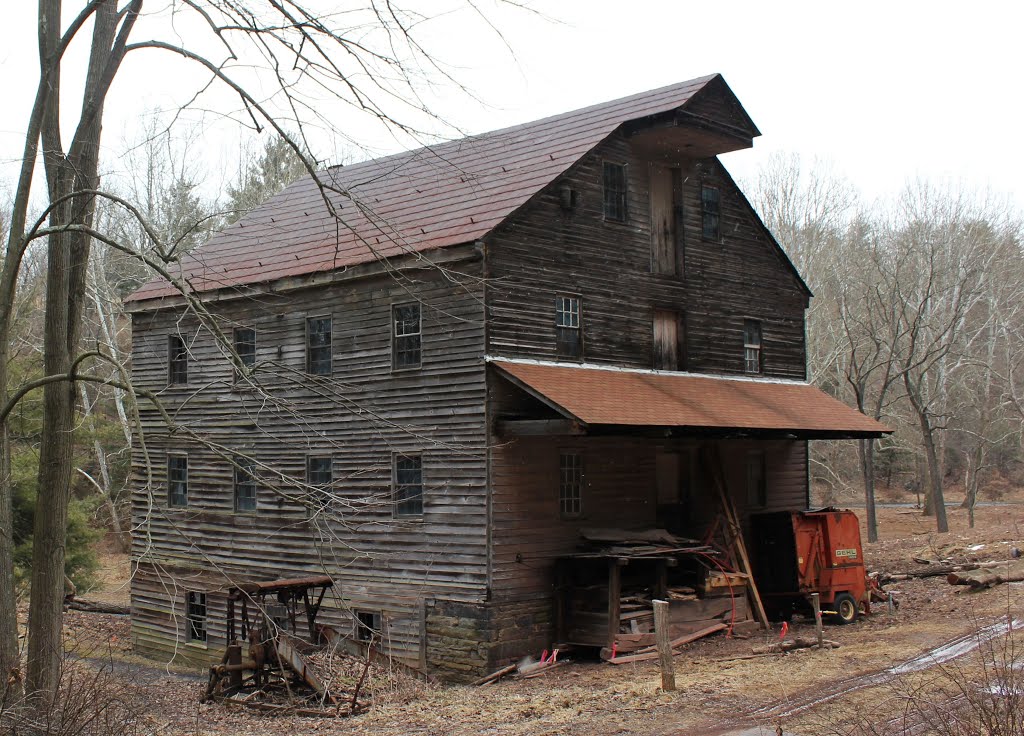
(867, 465)
(935, 494)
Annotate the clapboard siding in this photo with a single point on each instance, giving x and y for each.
(546, 250)
(360, 414)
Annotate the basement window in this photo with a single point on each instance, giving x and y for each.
(406, 336)
(570, 484)
(318, 346)
(245, 350)
(752, 354)
(196, 616)
(408, 485)
(614, 191)
(177, 481)
(368, 625)
(711, 213)
(177, 360)
(568, 327)
(245, 484)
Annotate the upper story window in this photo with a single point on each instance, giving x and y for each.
(245, 348)
(177, 360)
(568, 327)
(319, 478)
(752, 355)
(245, 484)
(177, 481)
(711, 213)
(196, 615)
(614, 191)
(407, 482)
(318, 346)
(406, 336)
(570, 484)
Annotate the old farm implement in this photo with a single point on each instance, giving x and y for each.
(266, 664)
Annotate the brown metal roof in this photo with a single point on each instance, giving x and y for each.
(429, 198)
(601, 396)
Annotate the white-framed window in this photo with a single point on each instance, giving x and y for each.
(406, 336)
(752, 354)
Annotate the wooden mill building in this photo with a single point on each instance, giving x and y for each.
(424, 374)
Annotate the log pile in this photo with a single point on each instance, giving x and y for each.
(1011, 571)
(800, 642)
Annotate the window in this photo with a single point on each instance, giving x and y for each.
(568, 321)
(757, 486)
(177, 481)
(177, 360)
(318, 346)
(614, 191)
(319, 477)
(669, 341)
(367, 625)
(570, 484)
(245, 348)
(245, 484)
(408, 485)
(196, 615)
(405, 336)
(752, 346)
(711, 214)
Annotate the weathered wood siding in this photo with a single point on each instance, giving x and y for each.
(360, 414)
(545, 250)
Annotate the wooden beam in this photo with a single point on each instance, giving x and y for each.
(537, 427)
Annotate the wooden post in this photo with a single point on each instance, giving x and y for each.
(663, 637)
(816, 604)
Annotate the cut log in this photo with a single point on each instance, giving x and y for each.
(496, 675)
(935, 571)
(801, 642)
(1011, 571)
(80, 604)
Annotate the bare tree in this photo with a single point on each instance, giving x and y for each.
(298, 51)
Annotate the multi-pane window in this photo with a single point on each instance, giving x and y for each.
(752, 346)
(245, 348)
(245, 484)
(570, 483)
(568, 327)
(757, 484)
(367, 625)
(177, 360)
(614, 191)
(177, 480)
(318, 346)
(711, 213)
(196, 615)
(406, 336)
(408, 485)
(319, 477)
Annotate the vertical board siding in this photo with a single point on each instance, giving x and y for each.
(545, 250)
(360, 415)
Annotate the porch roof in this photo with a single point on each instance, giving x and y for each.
(599, 396)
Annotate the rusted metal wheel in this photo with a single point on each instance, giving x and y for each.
(846, 609)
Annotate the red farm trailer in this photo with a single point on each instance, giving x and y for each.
(797, 553)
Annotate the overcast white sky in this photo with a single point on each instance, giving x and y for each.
(885, 91)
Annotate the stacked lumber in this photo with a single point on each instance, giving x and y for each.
(1011, 571)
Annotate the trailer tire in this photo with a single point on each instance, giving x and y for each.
(846, 609)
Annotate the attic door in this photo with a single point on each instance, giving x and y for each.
(665, 201)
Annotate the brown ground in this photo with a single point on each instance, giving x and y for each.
(714, 694)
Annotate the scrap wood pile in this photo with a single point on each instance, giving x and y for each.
(297, 678)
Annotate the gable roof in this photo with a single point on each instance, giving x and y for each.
(415, 201)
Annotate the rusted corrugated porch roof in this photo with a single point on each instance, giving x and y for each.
(597, 396)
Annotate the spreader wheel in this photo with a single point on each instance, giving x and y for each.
(846, 609)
